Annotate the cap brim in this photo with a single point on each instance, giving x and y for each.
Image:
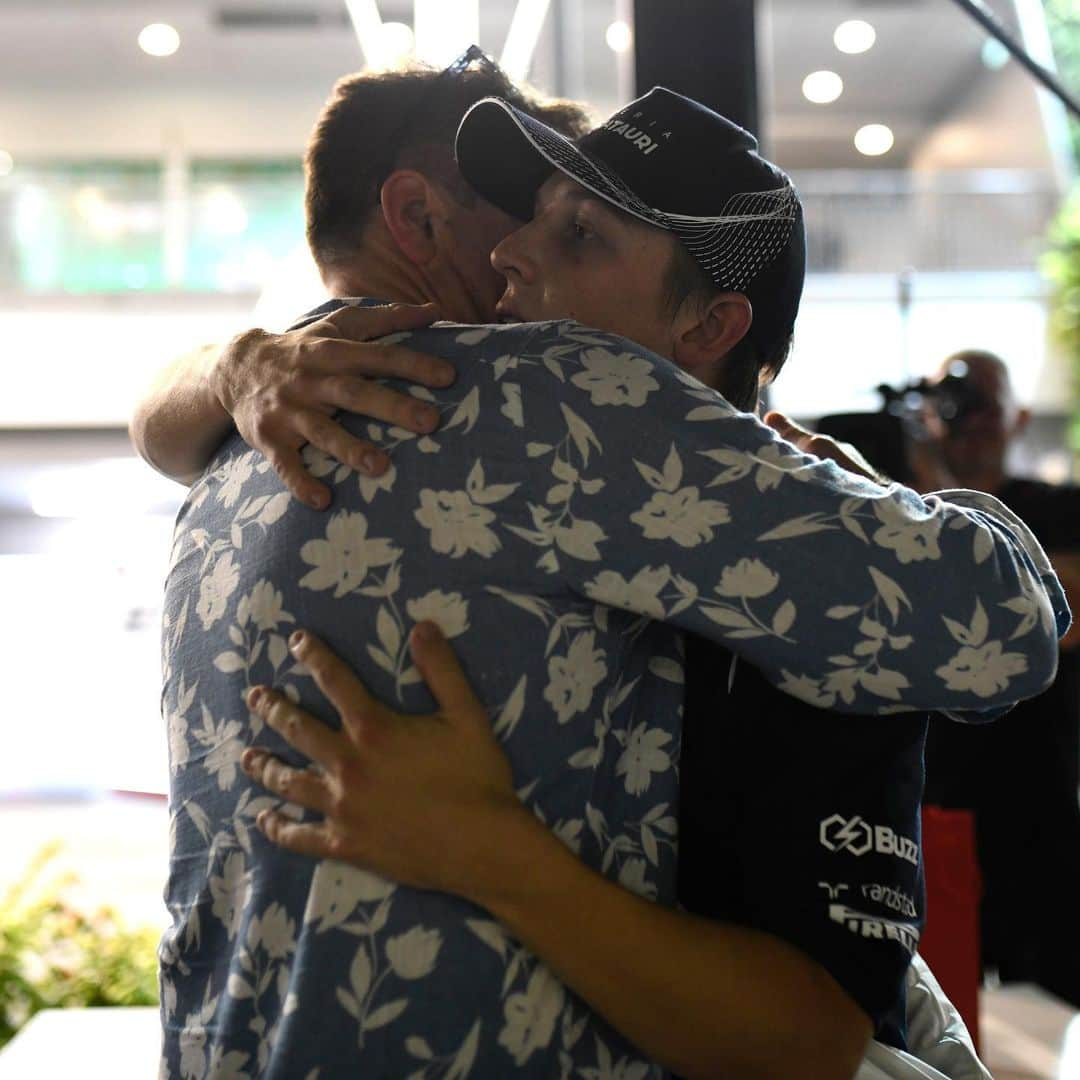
(506, 155)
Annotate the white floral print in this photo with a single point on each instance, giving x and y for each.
(412, 955)
(615, 379)
(643, 756)
(748, 578)
(985, 670)
(457, 524)
(264, 606)
(531, 1015)
(233, 476)
(681, 516)
(229, 892)
(640, 593)
(912, 541)
(215, 590)
(275, 932)
(574, 677)
(343, 560)
(449, 611)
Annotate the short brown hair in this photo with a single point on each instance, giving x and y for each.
(748, 366)
(374, 123)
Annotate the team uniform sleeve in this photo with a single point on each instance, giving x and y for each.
(663, 500)
(807, 828)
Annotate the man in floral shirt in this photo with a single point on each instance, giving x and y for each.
(581, 486)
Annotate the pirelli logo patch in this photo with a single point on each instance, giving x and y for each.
(874, 926)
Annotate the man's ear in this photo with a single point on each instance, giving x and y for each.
(407, 199)
(705, 333)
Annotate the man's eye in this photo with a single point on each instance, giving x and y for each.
(579, 231)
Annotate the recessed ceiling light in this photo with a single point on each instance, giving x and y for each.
(619, 36)
(7, 163)
(159, 39)
(396, 42)
(854, 36)
(873, 140)
(822, 87)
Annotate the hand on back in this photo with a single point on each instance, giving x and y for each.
(282, 390)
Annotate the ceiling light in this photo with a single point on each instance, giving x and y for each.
(7, 163)
(873, 140)
(619, 36)
(854, 36)
(444, 29)
(822, 87)
(396, 43)
(159, 39)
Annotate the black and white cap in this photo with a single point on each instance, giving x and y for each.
(672, 163)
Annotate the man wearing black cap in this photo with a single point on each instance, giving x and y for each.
(657, 544)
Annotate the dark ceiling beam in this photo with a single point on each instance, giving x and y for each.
(705, 49)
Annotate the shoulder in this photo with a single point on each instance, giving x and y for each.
(572, 360)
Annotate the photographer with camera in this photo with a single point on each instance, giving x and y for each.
(1020, 774)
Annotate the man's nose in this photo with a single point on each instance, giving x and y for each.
(510, 256)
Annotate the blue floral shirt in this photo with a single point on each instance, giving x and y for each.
(582, 503)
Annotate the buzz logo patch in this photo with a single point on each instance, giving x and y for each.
(858, 837)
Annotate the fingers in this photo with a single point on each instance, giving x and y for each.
(438, 664)
(332, 354)
(366, 323)
(305, 787)
(786, 428)
(809, 442)
(328, 435)
(315, 839)
(335, 679)
(289, 465)
(298, 728)
(360, 395)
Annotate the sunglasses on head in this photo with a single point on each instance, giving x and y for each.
(472, 57)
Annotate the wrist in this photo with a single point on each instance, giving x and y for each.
(218, 364)
(516, 857)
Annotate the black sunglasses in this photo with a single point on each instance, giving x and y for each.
(473, 55)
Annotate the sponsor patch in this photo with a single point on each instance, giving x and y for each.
(857, 837)
(874, 927)
(891, 897)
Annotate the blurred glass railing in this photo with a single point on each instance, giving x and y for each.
(882, 221)
(219, 226)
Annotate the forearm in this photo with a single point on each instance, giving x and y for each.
(179, 422)
(703, 998)
(1067, 565)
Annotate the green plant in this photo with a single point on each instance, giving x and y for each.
(1063, 23)
(53, 955)
(1061, 264)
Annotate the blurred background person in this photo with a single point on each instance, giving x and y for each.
(1019, 775)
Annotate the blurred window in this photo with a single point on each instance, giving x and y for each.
(82, 227)
(244, 217)
(118, 227)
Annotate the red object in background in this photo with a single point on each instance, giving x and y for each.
(950, 941)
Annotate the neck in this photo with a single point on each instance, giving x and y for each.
(382, 272)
